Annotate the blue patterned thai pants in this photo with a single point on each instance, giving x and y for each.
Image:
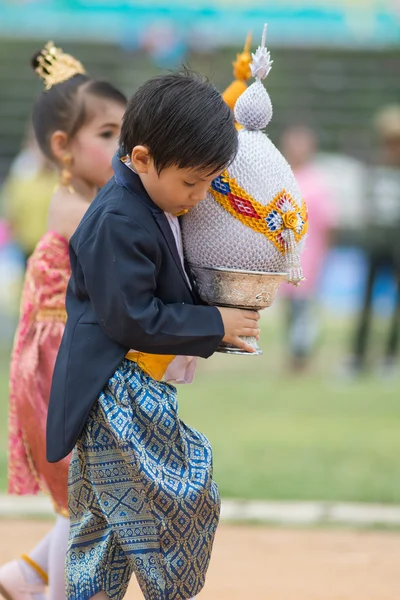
(141, 495)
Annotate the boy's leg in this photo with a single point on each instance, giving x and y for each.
(103, 596)
(163, 486)
(94, 561)
(132, 438)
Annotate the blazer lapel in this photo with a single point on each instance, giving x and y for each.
(130, 180)
(165, 228)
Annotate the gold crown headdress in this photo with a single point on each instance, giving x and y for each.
(56, 67)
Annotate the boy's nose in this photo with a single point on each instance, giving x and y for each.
(198, 198)
(199, 195)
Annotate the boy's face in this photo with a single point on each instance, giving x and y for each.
(174, 190)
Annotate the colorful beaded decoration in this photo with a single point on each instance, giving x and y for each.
(273, 220)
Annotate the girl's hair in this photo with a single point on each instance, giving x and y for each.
(63, 106)
(182, 119)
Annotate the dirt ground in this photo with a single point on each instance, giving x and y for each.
(260, 563)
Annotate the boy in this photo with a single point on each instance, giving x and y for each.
(141, 495)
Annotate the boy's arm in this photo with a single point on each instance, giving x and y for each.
(119, 264)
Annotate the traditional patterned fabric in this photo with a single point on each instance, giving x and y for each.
(142, 497)
(36, 344)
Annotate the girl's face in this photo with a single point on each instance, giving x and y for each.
(95, 143)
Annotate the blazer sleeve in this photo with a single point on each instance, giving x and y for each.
(119, 265)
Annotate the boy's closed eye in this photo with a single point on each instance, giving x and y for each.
(188, 184)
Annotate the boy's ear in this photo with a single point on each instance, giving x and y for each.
(140, 159)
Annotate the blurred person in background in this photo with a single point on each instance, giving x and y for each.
(381, 241)
(24, 199)
(299, 146)
(12, 269)
(77, 122)
(26, 194)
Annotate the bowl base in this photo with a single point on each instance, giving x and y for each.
(228, 349)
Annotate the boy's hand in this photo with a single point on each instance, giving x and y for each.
(239, 322)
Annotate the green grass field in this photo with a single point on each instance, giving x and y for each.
(279, 437)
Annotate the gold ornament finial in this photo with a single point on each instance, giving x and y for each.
(241, 66)
(241, 73)
(56, 67)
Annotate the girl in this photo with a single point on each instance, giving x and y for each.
(77, 124)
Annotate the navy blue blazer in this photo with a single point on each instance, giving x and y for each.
(127, 290)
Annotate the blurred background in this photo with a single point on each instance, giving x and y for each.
(317, 417)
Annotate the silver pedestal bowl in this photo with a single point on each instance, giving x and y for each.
(232, 288)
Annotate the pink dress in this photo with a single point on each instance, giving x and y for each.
(36, 344)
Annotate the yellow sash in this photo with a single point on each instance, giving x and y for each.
(154, 365)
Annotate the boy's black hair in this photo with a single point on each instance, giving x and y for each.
(63, 106)
(182, 119)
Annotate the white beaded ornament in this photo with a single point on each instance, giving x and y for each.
(253, 218)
